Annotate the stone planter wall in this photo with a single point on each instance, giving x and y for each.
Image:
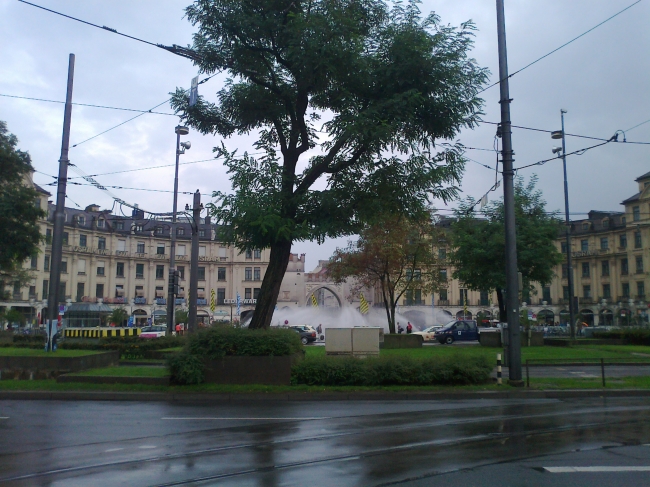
(95, 379)
(30, 368)
(251, 370)
(401, 341)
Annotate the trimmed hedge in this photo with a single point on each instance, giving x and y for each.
(391, 371)
(187, 366)
(129, 347)
(636, 336)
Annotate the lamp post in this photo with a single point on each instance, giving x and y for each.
(559, 134)
(173, 276)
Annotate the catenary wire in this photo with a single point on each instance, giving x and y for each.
(637, 125)
(562, 46)
(121, 187)
(90, 105)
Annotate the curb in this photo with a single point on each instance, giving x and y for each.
(196, 398)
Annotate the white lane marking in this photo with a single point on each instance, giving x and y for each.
(147, 447)
(239, 419)
(595, 469)
(4, 417)
(112, 450)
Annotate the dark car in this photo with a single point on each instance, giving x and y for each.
(307, 333)
(461, 330)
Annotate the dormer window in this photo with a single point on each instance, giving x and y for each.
(119, 225)
(101, 223)
(139, 228)
(81, 220)
(606, 223)
(180, 231)
(159, 230)
(585, 226)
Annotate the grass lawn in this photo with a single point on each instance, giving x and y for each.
(134, 371)
(627, 350)
(38, 352)
(591, 383)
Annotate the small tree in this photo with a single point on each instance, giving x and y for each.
(181, 316)
(478, 244)
(119, 316)
(13, 316)
(394, 254)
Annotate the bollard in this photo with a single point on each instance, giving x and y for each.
(499, 380)
(602, 370)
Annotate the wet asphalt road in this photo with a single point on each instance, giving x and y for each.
(327, 443)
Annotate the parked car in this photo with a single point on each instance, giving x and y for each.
(463, 330)
(428, 334)
(155, 331)
(307, 333)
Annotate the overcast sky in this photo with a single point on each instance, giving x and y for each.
(602, 80)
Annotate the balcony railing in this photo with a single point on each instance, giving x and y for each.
(180, 301)
(484, 302)
(140, 300)
(463, 302)
(443, 302)
(201, 301)
(548, 301)
(161, 301)
(414, 302)
(640, 297)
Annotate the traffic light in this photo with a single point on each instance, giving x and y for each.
(173, 282)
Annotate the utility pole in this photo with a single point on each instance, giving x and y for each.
(512, 280)
(172, 290)
(572, 310)
(194, 260)
(59, 213)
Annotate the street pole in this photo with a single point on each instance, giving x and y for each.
(59, 213)
(173, 277)
(194, 261)
(572, 311)
(512, 281)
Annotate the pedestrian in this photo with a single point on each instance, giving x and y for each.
(319, 329)
(178, 329)
(400, 330)
(409, 328)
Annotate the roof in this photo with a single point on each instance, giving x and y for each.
(632, 199)
(41, 190)
(89, 307)
(645, 176)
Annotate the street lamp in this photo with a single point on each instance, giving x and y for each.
(173, 277)
(559, 134)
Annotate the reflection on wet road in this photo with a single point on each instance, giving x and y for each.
(50, 443)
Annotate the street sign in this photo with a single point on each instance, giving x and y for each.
(194, 91)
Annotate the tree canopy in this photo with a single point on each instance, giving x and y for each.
(395, 255)
(376, 96)
(478, 243)
(19, 232)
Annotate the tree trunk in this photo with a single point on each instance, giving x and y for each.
(270, 290)
(390, 309)
(502, 305)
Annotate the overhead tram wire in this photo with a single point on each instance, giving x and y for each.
(90, 105)
(578, 152)
(637, 125)
(124, 187)
(562, 46)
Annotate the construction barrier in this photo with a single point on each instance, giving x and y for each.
(100, 332)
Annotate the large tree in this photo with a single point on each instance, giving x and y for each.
(394, 254)
(19, 232)
(388, 85)
(478, 243)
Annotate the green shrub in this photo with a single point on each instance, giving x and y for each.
(636, 336)
(391, 370)
(219, 342)
(129, 347)
(185, 368)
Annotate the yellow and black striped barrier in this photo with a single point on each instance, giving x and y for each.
(105, 332)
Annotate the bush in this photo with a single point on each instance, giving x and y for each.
(187, 366)
(223, 341)
(391, 371)
(636, 336)
(129, 347)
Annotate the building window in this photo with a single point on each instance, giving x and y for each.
(604, 268)
(443, 275)
(99, 291)
(586, 291)
(46, 289)
(606, 223)
(81, 266)
(585, 269)
(221, 295)
(119, 272)
(62, 296)
(100, 268)
(565, 293)
(66, 236)
(637, 240)
(201, 273)
(546, 294)
(48, 236)
(221, 273)
(257, 254)
(442, 254)
(139, 271)
(256, 274)
(636, 213)
(584, 245)
(140, 248)
(180, 231)
(585, 226)
(83, 240)
(160, 249)
(248, 274)
(604, 243)
(249, 254)
(222, 253)
(622, 240)
(34, 262)
(100, 223)
(201, 250)
(443, 295)
(463, 298)
(607, 291)
(46, 263)
(139, 227)
(121, 245)
(64, 267)
(248, 293)
(119, 291)
(201, 233)
(80, 291)
(563, 247)
(159, 230)
(639, 264)
(640, 290)
(484, 299)
(160, 272)
(624, 267)
(180, 250)
(256, 293)
(119, 225)
(101, 243)
(565, 271)
(626, 289)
